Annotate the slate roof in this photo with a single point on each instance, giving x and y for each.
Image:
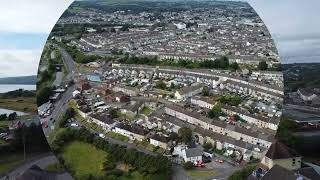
(193, 152)
(280, 151)
(278, 172)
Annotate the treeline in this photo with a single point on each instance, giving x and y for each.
(219, 63)
(31, 136)
(148, 165)
(10, 117)
(79, 56)
(18, 93)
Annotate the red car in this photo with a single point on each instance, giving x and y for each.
(199, 164)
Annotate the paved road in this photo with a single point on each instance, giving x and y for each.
(69, 64)
(62, 104)
(42, 160)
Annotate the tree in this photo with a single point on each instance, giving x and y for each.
(243, 173)
(205, 91)
(207, 146)
(173, 136)
(188, 165)
(161, 85)
(12, 116)
(185, 134)
(234, 66)
(3, 117)
(263, 66)
(215, 111)
(43, 95)
(113, 113)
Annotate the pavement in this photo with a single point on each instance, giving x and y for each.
(42, 160)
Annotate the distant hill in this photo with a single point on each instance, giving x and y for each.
(19, 80)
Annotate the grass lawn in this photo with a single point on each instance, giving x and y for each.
(117, 136)
(56, 167)
(146, 111)
(83, 159)
(4, 124)
(24, 104)
(202, 174)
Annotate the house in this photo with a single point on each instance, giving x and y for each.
(159, 140)
(121, 97)
(193, 155)
(188, 154)
(132, 109)
(280, 154)
(75, 93)
(130, 91)
(203, 102)
(188, 91)
(254, 136)
(102, 120)
(83, 85)
(94, 78)
(132, 132)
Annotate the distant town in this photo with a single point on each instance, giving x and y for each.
(194, 86)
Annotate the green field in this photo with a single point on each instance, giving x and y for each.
(24, 104)
(83, 159)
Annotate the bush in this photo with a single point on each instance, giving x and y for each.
(188, 165)
(243, 173)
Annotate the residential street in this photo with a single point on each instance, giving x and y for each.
(42, 160)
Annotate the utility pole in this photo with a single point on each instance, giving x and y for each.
(24, 143)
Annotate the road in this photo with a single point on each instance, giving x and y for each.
(42, 160)
(69, 64)
(62, 104)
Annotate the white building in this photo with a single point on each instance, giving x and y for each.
(188, 91)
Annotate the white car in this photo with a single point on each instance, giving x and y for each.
(74, 125)
(102, 135)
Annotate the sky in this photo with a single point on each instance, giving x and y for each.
(25, 26)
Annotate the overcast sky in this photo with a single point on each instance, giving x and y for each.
(25, 26)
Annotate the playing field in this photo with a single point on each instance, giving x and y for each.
(84, 159)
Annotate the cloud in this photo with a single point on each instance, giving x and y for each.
(19, 62)
(294, 26)
(31, 16)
